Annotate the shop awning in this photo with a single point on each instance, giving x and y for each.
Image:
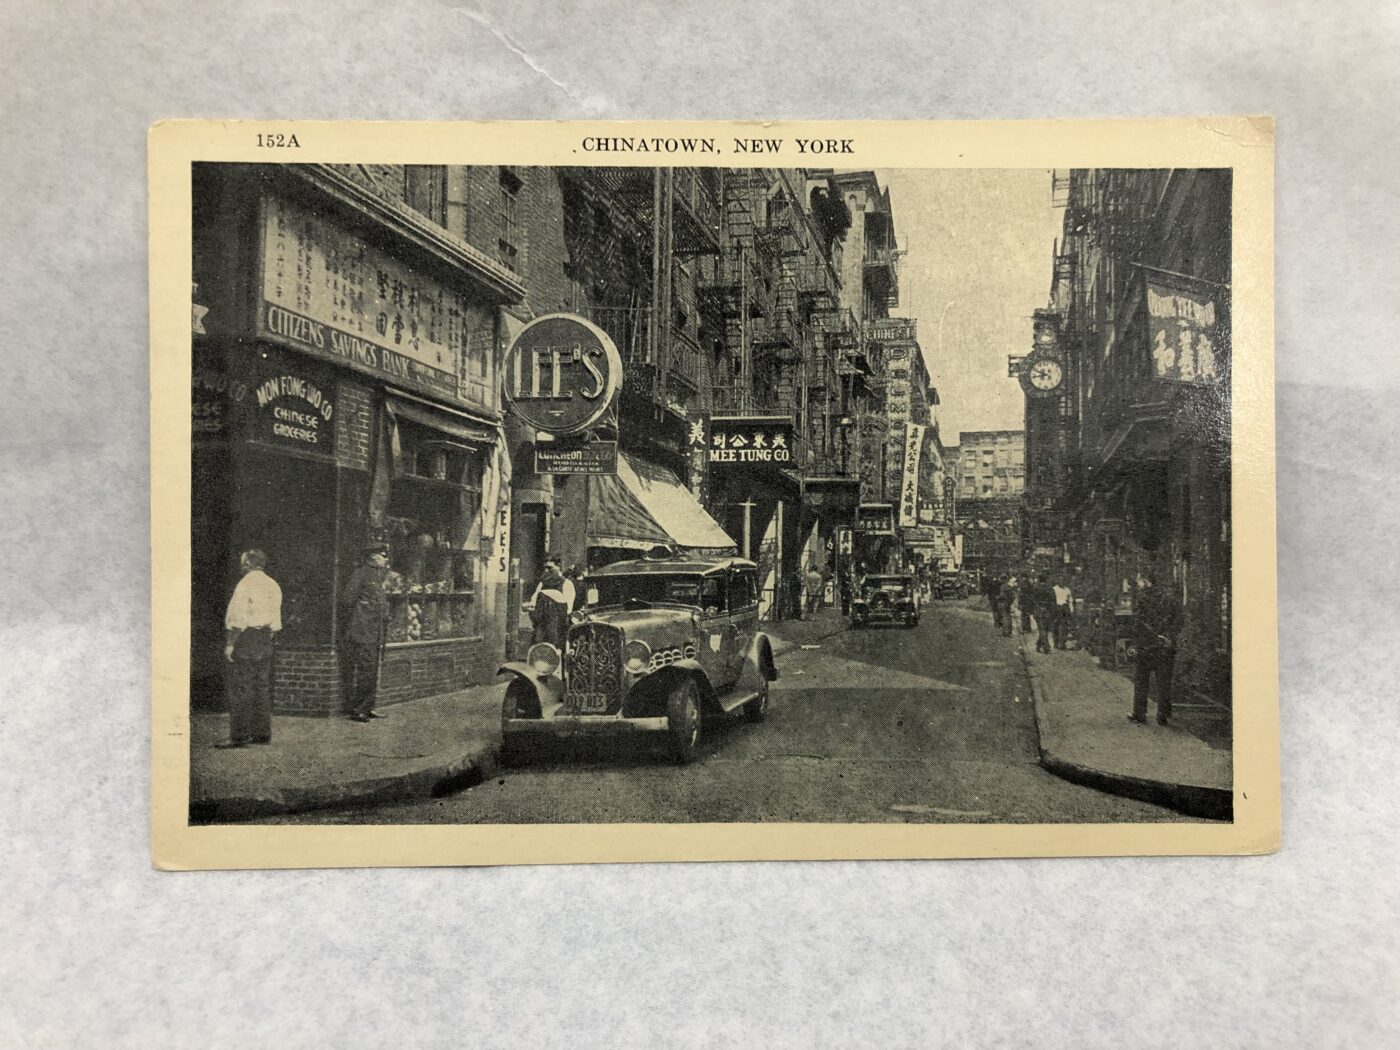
(454, 423)
(643, 506)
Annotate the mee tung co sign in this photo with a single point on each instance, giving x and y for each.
(755, 440)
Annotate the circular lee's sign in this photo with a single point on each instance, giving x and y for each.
(561, 373)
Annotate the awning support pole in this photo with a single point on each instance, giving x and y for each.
(748, 506)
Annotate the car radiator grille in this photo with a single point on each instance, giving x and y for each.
(593, 667)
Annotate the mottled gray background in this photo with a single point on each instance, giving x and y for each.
(101, 950)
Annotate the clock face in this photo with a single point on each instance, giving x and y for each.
(1046, 374)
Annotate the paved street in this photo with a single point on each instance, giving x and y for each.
(932, 724)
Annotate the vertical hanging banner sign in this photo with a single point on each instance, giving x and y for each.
(909, 489)
(1183, 327)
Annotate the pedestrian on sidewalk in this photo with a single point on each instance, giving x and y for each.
(1157, 619)
(1040, 597)
(550, 610)
(1063, 612)
(816, 584)
(364, 619)
(1008, 596)
(251, 623)
(573, 579)
(991, 587)
(1025, 599)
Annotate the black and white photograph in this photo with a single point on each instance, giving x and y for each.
(635, 493)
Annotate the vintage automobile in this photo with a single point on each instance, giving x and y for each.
(658, 645)
(891, 599)
(952, 585)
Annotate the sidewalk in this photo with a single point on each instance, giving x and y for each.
(787, 635)
(420, 749)
(1081, 713)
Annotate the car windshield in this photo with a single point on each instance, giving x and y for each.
(653, 589)
(893, 584)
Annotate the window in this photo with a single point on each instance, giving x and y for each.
(433, 506)
(986, 488)
(425, 190)
(743, 591)
(712, 595)
(509, 217)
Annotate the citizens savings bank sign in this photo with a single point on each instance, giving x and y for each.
(561, 372)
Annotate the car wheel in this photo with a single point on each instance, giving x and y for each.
(683, 716)
(756, 710)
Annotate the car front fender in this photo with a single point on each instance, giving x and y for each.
(649, 691)
(549, 688)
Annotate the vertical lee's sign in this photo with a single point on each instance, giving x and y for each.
(909, 489)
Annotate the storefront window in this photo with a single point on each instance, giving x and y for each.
(434, 501)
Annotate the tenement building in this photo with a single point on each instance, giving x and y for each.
(1137, 480)
(345, 391)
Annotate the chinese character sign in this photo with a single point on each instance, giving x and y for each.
(756, 440)
(1183, 332)
(327, 292)
(909, 488)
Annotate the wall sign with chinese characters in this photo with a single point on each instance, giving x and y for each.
(909, 487)
(1182, 327)
(328, 293)
(875, 519)
(753, 440)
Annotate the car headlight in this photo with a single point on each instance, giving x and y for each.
(636, 656)
(543, 657)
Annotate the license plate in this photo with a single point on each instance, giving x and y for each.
(589, 701)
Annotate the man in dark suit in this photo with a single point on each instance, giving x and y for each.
(364, 617)
(1157, 620)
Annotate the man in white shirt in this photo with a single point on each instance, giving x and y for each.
(253, 619)
(1064, 612)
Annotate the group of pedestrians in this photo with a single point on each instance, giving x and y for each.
(1033, 595)
(253, 621)
(1157, 621)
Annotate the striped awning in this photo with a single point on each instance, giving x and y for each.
(643, 506)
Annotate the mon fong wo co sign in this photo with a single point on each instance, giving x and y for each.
(561, 373)
(754, 440)
(326, 292)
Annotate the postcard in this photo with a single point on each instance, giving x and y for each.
(584, 492)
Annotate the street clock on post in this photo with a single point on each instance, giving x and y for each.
(1043, 370)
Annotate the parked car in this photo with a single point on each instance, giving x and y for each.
(953, 585)
(658, 646)
(891, 599)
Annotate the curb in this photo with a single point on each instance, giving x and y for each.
(1192, 800)
(462, 770)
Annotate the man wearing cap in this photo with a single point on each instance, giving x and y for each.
(251, 624)
(364, 616)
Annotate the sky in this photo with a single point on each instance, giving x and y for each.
(978, 253)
